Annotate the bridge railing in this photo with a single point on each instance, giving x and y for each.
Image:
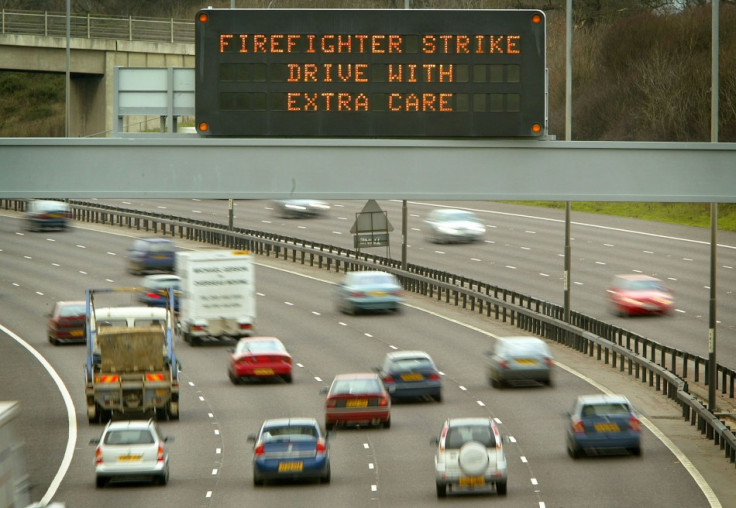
(92, 26)
(660, 367)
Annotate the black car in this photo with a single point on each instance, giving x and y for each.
(151, 255)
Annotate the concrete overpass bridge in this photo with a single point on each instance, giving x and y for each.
(36, 42)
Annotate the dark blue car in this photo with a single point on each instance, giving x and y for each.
(151, 255)
(155, 288)
(603, 423)
(290, 449)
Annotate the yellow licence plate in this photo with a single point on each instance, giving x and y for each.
(526, 361)
(263, 372)
(412, 377)
(606, 427)
(129, 458)
(378, 293)
(290, 467)
(356, 403)
(471, 481)
(76, 333)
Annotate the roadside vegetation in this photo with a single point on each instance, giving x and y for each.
(641, 72)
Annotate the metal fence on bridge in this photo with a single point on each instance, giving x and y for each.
(91, 26)
(660, 367)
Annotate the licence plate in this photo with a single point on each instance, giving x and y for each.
(357, 403)
(412, 377)
(129, 458)
(378, 293)
(263, 372)
(606, 427)
(471, 481)
(526, 361)
(290, 467)
(76, 333)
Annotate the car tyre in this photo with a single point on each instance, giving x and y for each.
(636, 451)
(233, 378)
(287, 378)
(163, 479)
(438, 397)
(53, 341)
(325, 478)
(441, 490)
(501, 488)
(387, 424)
(329, 425)
(573, 451)
(257, 480)
(100, 482)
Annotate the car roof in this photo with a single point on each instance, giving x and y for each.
(357, 375)
(301, 420)
(522, 340)
(161, 276)
(603, 398)
(635, 276)
(398, 355)
(129, 424)
(71, 302)
(156, 239)
(472, 420)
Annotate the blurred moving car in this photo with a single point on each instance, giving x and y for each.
(151, 255)
(259, 358)
(67, 323)
(369, 291)
(131, 449)
(600, 423)
(300, 208)
(155, 290)
(447, 225)
(357, 399)
(637, 294)
(470, 456)
(408, 374)
(519, 359)
(44, 214)
(290, 449)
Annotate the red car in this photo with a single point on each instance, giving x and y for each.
(635, 294)
(259, 358)
(67, 323)
(357, 399)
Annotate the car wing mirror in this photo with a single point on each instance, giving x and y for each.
(324, 390)
(169, 439)
(94, 441)
(434, 440)
(252, 438)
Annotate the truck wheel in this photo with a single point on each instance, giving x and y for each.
(92, 414)
(161, 414)
(173, 410)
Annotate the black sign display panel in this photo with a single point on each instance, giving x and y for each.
(370, 73)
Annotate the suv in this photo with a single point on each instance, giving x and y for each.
(470, 455)
(151, 254)
(131, 449)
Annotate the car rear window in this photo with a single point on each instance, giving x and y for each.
(129, 437)
(607, 409)
(412, 363)
(292, 431)
(356, 386)
(458, 436)
(75, 310)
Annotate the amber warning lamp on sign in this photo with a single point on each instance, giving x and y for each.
(370, 73)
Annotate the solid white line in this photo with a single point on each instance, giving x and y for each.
(71, 416)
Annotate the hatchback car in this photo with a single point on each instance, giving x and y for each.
(300, 208)
(259, 358)
(47, 214)
(410, 374)
(519, 360)
(154, 290)
(357, 399)
(637, 294)
(290, 449)
(447, 225)
(132, 450)
(151, 255)
(470, 456)
(603, 423)
(369, 291)
(67, 323)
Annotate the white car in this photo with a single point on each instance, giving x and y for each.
(470, 456)
(447, 225)
(132, 450)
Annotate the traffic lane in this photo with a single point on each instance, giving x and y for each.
(556, 398)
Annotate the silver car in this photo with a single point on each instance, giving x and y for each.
(519, 360)
(133, 450)
(470, 456)
(300, 208)
(447, 225)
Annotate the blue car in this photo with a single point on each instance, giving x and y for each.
(290, 449)
(154, 290)
(151, 255)
(603, 423)
(410, 374)
(369, 291)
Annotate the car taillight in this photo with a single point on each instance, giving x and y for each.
(389, 379)
(98, 456)
(548, 362)
(321, 446)
(634, 423)
(153, 296)
(245, 326)
(577, 426)
(503, 364)
(434, 376)
(160, 457)
(383, 402)
(286, 360)
(198, 328)
(357, 294)
(260, 450)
